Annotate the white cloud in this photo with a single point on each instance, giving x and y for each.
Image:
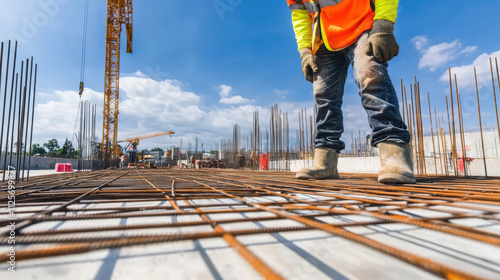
(419, 42)
(468, 49)
(439, 55)
(225, 98)
(139, 74)
(224, 90)
(465, 73)
(234, 100)
(281, 92)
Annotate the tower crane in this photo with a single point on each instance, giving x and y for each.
(118, 12)
(134, 141)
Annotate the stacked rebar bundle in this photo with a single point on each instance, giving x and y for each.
(16, 133)
(88, 152)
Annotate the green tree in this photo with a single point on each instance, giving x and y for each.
(51, 146)
(37, 149)
(67, 150)
(157, 149)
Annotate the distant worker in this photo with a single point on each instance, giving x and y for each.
(192, 161)
(122, 161)
(357, 32)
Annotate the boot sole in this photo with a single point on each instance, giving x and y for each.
(392, 178)
(303, 176)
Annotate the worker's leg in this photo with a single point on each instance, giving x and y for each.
(377, 96)
(389, 133)
(329, 82)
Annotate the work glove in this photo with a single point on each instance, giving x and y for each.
(308, 65)
(381, 42)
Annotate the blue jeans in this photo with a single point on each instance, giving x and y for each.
(378, 96)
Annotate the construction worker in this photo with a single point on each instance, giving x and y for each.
(192, 161)
(122, 161)
(331, 34)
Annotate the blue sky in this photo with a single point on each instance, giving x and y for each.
(200, 66)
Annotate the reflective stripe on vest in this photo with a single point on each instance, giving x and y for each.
(296, 7)
(311, 6)
(343, 21)
(326, 3)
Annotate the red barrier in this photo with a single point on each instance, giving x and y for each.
(67, 167)
(63, 167)
(264, 162)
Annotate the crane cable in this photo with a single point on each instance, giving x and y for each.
(82, 67)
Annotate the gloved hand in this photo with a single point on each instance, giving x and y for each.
(381, 41)
(308, 65)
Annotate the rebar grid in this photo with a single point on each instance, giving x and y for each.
(437, 204)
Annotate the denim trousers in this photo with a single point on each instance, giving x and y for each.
(378, 96)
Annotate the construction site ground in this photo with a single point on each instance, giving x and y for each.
(227, 224)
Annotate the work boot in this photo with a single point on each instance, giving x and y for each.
(396, 164)
(324, 167)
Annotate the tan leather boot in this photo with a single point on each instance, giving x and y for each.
(324, 167)
(396, 164)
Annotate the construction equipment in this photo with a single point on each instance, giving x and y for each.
(131, 148)
(118, 12)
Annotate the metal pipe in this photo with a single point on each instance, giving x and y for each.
(480, 124)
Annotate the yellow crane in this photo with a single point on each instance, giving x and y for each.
(118, 12)
(134, 141)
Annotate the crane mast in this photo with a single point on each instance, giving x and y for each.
(118, 12)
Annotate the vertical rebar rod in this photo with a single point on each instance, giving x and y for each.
(20, 131)
(453, 143)
(495, 97)
(437, 135)
(14, 119)
(420, 130)
(32, 121)
(1, 68)
(28, 117)
(498, 81)
(10, 106)
(462, 133)
(432, 134)
(402, 102)
(480, 124)
(443, 143)
(460, 123)
(415, 137)
(451, 138)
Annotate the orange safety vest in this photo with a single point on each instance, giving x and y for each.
(342, 21)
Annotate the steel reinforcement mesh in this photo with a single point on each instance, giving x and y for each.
(77, 213)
